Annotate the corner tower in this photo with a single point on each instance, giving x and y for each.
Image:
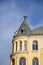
(20, 49)
(24, 29)
(27, 46)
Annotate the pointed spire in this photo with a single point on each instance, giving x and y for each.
(24, 28)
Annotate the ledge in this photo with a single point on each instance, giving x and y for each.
(25, 52)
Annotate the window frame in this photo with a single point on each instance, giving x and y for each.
(35, 45)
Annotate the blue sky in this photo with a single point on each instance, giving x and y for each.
(11, 17)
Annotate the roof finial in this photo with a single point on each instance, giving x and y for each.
(25, 17)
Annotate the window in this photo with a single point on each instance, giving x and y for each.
(35, 61)
(22, 61)
(16, 45)
(25, 45)
(35, 45)
(13, 48)
(22, 29)
(20, 45)
(13, 61)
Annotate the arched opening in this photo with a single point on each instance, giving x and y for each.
(13, 61)
(22, 61)
(35, 61)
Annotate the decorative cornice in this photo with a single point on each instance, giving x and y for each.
(24, 52)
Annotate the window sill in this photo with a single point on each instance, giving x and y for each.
(35, 51)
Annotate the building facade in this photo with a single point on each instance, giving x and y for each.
(27, 46)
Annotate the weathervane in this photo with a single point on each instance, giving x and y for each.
(25, 17)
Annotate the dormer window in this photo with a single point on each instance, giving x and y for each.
(22, 29)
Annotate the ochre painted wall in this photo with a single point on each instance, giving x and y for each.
(29, 54)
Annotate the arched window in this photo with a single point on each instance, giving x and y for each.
(25, 45)
(16, 45)
(20, 45)
(13, 61)
(35, 45)
(35, 61)
(22, 61)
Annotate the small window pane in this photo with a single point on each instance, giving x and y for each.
(20, 45)
(13, 48)
(25, 48)
(25, 45)
(16, 45)
(35, 46)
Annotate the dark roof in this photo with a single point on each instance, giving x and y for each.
(38, 31)
(25, 30)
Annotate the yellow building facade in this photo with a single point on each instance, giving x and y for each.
(27, 46)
